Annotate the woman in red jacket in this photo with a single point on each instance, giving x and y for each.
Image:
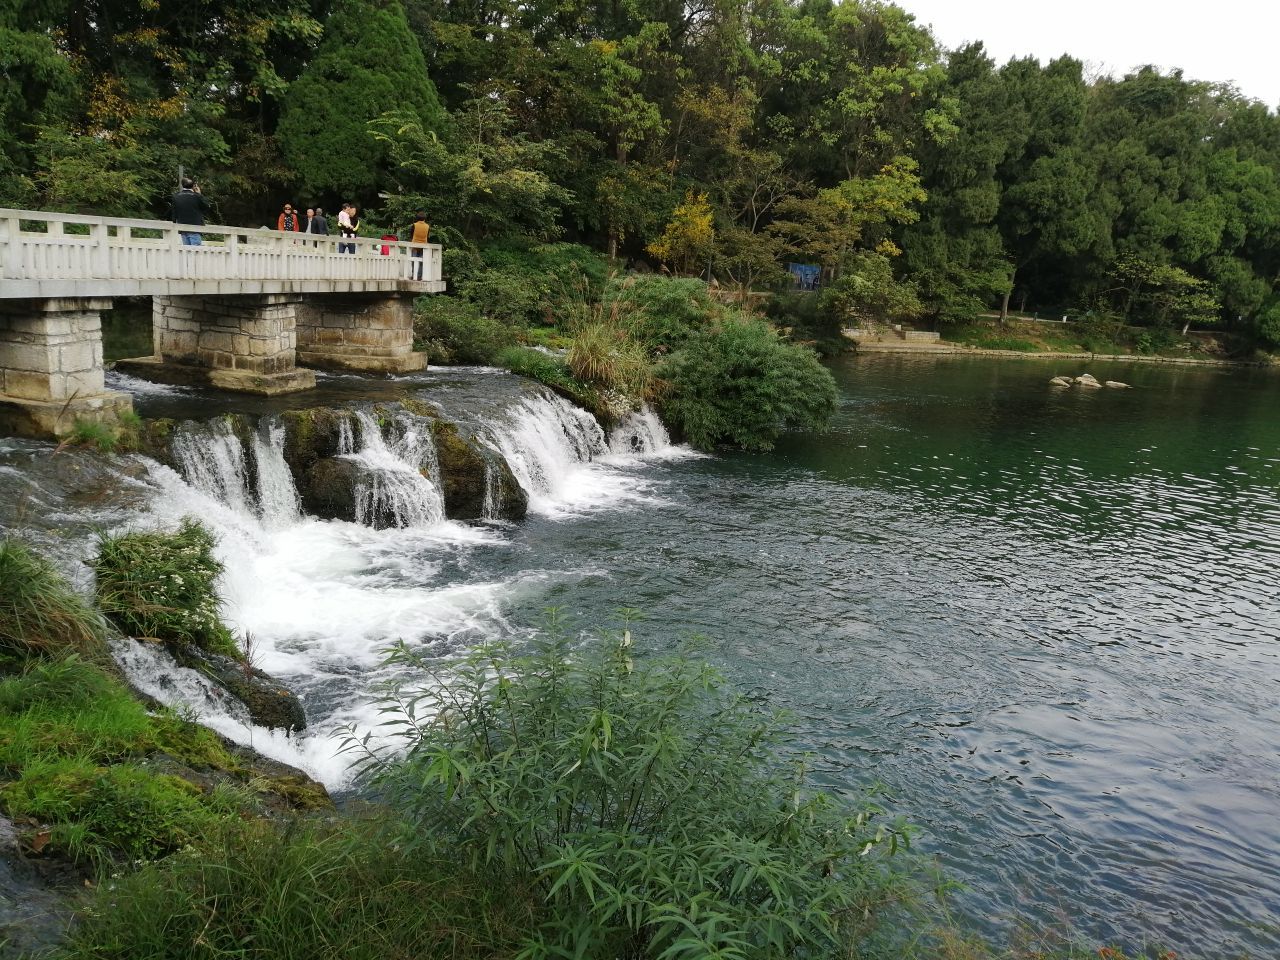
(289, 220)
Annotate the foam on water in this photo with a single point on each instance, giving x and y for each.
(323, 600)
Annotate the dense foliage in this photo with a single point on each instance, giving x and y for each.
(724, 140)
(163, 586)
(741, 384)
(650, 810)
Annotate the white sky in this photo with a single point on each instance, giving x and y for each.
(1222, 41)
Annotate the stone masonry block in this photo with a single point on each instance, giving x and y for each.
(31, 356)
(76, 357)
(34, 386)
(85, 384)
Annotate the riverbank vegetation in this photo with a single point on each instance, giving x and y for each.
(919, 184)
(572, 799)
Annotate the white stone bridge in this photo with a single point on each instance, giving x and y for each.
(239, 311)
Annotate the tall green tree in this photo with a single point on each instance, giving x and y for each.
(368, 64)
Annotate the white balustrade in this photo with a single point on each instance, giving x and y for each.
(61, 254)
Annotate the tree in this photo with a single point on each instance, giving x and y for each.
(368, 64)
(689, 237)
(955, 254)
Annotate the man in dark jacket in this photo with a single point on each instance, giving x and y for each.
(319, 223)
(189, 206)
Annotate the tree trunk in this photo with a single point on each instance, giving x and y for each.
(1004, 306)
(613, 245)
(1185, 327)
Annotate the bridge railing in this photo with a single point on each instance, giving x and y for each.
(62, 246)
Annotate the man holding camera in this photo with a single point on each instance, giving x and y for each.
(189, 206)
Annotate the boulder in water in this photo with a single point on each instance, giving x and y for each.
(1061, 381)
(270, 703)
(312, 435)
(476, 482)
(328, 489)
(1117, 385)
(1087, 380)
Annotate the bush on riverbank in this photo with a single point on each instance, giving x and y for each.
(161, 586)
(649, 810)
(741, 384)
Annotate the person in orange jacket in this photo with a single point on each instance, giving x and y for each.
(289, 220)
(418, 233)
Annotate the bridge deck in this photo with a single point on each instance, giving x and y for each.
(53, 255)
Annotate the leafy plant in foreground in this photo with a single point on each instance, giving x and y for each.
(643, 801)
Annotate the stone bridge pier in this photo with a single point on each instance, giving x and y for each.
(241, 342)
(358, 331)
(51, 367)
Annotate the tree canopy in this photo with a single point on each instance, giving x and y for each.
(724, 139)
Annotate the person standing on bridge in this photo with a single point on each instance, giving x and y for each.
(348, 226)
(189, 205)
(418, 233)
(289, 220)
(319, 224)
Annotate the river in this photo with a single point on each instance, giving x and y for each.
(1045, 620)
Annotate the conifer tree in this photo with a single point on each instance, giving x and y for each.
(368, 64)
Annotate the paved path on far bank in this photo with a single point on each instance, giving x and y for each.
(953, 349)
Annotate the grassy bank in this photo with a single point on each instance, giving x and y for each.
(1095, 336)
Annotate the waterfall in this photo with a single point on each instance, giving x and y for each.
(212, 458)
(544, 439)
(492, 508)
(642, 432)
(278, 501)
(392, 489)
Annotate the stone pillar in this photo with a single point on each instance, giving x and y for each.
(370, 332)
(51, 367)
(244, 342)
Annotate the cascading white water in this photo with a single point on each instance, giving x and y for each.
(278, 502)
(324, 599)
(492, 507)
(211, 458)
(642, 432)
(392, 489)
(544, 440)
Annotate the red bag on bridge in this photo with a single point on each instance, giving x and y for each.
(386, 250)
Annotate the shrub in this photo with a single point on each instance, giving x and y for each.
(40, 614)
(161, 586)
(454, 331)
(251, 891)
(604, 354)
(740, 384)
(643, 802)
(662, 313)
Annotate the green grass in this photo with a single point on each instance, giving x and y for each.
(73, 747)
(40, 614)
(311, 891)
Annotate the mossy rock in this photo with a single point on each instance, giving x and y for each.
(270, 703)
(466, 468)
(327, 489)
(312, 435)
